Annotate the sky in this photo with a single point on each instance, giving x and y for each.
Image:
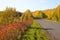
(22, 5)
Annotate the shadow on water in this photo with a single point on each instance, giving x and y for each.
(48, 29)
(42, 28)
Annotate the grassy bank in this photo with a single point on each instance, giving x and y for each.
(35, 32)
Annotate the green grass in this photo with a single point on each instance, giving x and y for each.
(35, 32)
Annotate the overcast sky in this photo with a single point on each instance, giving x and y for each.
(22, 5)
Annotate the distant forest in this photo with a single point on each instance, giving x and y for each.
(10, 15)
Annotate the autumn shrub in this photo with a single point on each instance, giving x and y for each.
(14, 31)
(9, 15)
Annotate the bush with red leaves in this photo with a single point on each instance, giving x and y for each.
(14, 31)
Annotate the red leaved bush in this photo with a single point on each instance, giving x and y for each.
(20, 26)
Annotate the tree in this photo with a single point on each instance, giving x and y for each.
(26, 15)
(39, 14)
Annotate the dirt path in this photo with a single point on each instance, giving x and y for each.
(52, 28)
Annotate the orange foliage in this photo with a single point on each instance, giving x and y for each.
(20, 25)
(51, 12)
